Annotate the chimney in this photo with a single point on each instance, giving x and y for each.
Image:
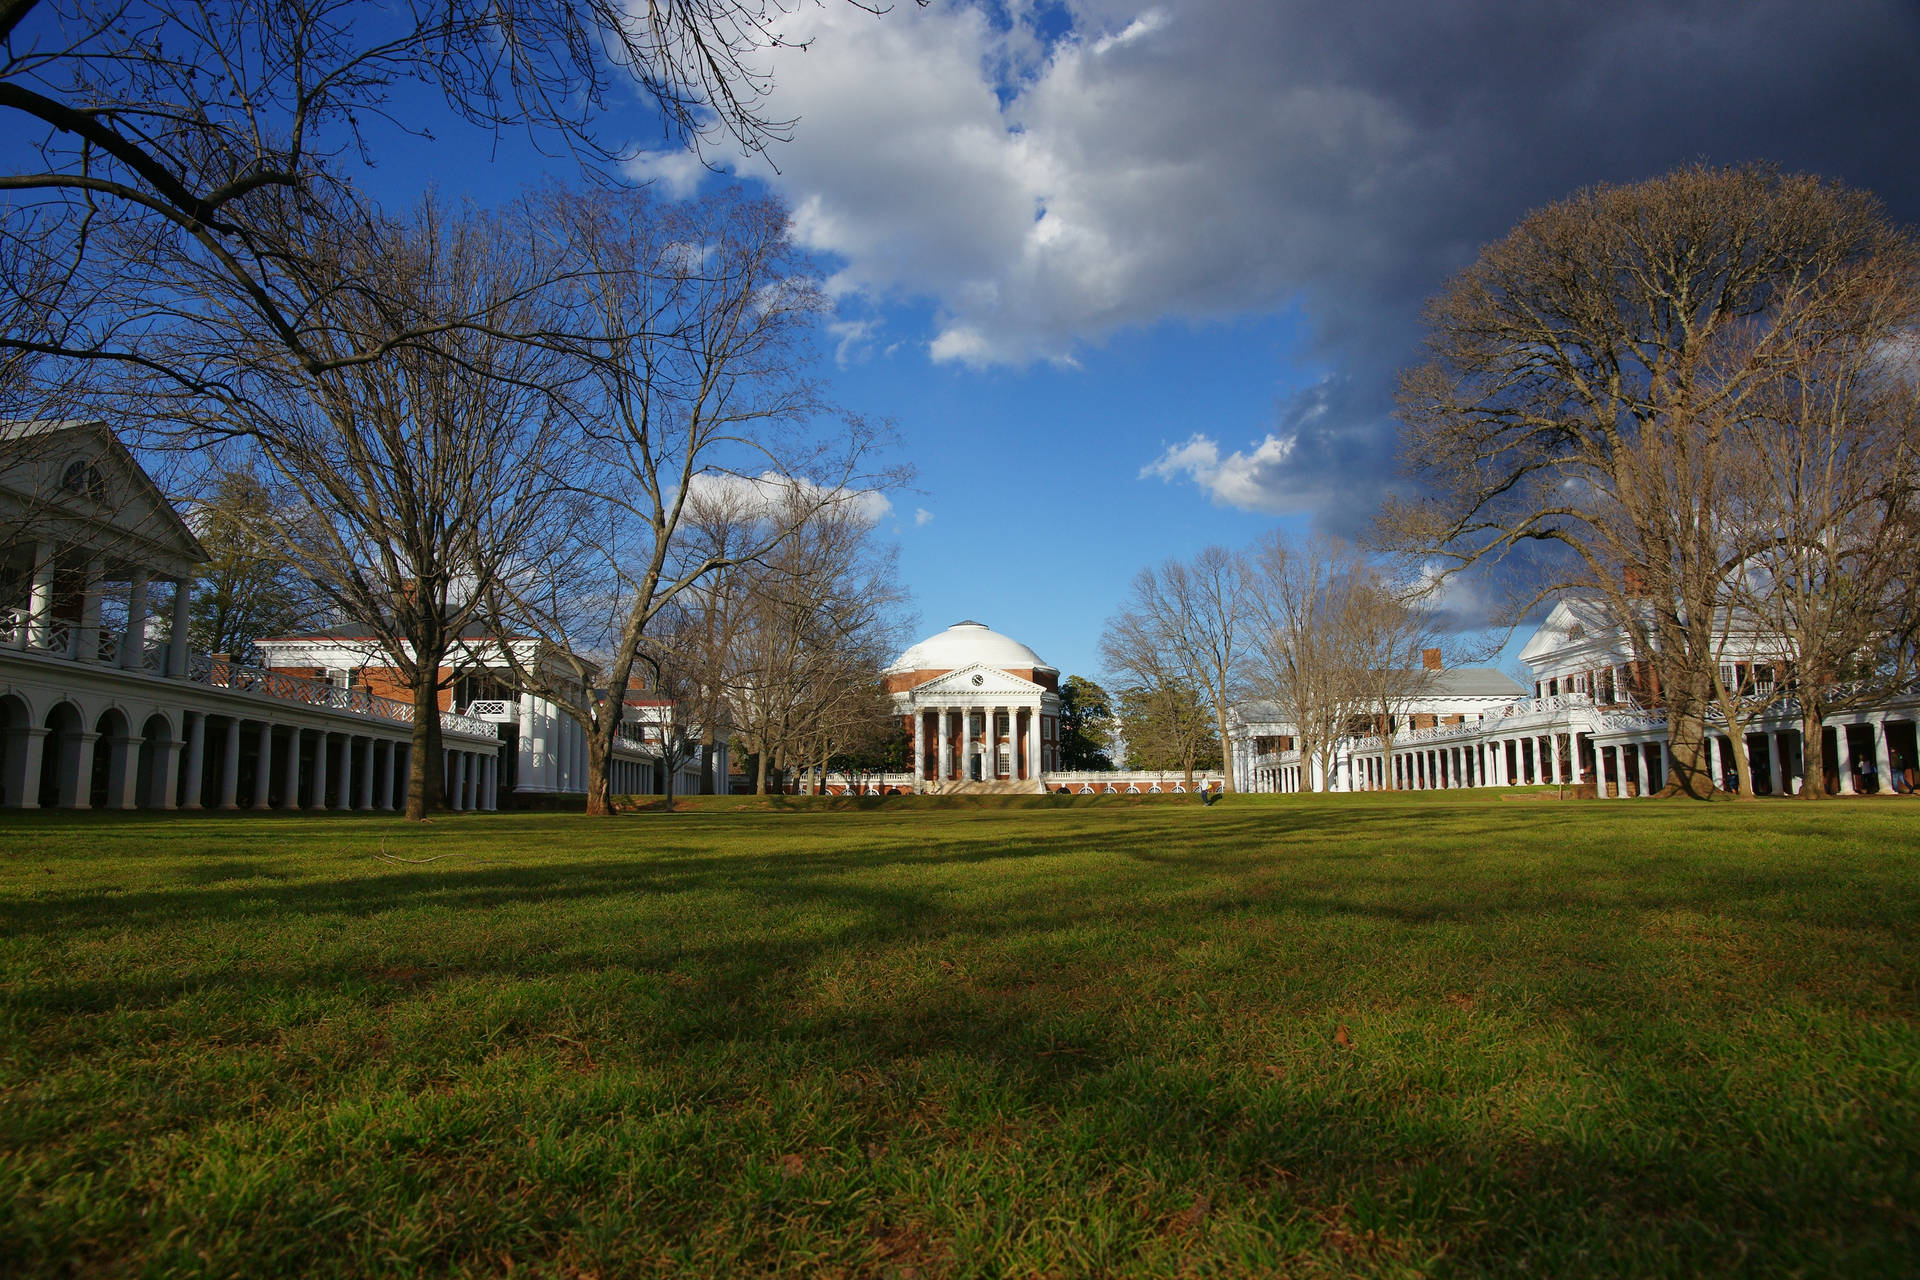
(1430, 658)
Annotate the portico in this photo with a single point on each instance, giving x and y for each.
(981, 708)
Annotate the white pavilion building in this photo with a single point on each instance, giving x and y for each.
(983, 710)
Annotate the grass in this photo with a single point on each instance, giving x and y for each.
(1366, 1035)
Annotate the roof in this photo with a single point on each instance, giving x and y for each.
(967, 644)
(132, 510)
(1471, 682)
(360, 632)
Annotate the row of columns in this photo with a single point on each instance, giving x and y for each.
(552, 749)
(1518, 760)
(370, 773)
(953, 750)
(84, 643)
(1622, 769)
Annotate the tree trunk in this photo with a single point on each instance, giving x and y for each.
(426, 791)
(1386, 769)
(760, 774)
(1686, 740)
(599, 781)
(1813, 750)
(706, 762)
(1736, 739)
(1226, 750)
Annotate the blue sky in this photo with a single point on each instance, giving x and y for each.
(1131, 278)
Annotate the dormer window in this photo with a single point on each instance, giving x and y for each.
(83, 477)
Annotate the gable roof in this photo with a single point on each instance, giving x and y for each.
(133, 517)
(976, 680)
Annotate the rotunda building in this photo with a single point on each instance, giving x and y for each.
(983, 710)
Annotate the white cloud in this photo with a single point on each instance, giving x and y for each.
(752, 496)
(1220, 158)
(1044, 196)
(922, 517)
(679, 172)
(1249, 479)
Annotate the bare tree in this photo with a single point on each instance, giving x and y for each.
(1306, 640)
(149, 121)
(1184, 625)
(1585, 375)
(1391, 631)
(405, 488)
(820, 616)
(1825, 475)
(695, 409)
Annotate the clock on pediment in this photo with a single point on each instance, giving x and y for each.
(979, 679)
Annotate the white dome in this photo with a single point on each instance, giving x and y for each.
(964, 644)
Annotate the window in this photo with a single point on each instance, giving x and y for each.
(83, 477)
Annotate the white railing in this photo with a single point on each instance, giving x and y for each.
(454, 722)
(224, 673)
(1164, 780)
(59, 638)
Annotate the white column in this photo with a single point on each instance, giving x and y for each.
(230, 767)
(41, 602)
(941, 767)
(321, 743)
(123, 774)
(524, 773)
(550, 751)
(1036, 765)
(166, 772)
(263, 768)
(919, 747)
(290, 782)
(23, 767)
(1776, 779)
(343, 787)
(86, 638)
(383, 772)
(1882, 756)
(196, 756)
(76, 787)
(1573, 746)
(363, 785)
(133, 641)
(1553, 754)
(1716, 767)
(182, 623)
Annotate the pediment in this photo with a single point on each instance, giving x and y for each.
(977, 681)
(76, 483)
(1572, 621)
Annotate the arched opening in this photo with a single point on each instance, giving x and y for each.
(16, 718)
(156, 736)
(112, 746)
(59, 783)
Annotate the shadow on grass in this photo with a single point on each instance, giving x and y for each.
(1026, 1004)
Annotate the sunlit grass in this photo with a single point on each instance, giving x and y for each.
(1359, 1035)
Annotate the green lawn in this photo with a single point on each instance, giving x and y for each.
(1364, 1035)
